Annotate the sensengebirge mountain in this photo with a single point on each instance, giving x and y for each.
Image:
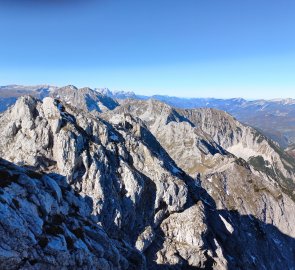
(91, 183)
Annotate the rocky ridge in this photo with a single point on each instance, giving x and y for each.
(204, 143)
(216, 131)
(273, 117)
(140, 197)
(46, 224)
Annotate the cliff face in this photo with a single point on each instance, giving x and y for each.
(201, 139)
(112, 191)
(241, 169)
(45, 224)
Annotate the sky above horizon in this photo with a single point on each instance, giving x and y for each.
(191, 48)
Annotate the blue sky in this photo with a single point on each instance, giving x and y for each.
(193, 48)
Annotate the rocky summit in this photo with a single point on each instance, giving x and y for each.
(90, 183)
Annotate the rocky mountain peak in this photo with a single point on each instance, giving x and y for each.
(143, 186)
(85, 99)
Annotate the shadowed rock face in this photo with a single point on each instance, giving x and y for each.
(204, 142)
(116, 187)
(264, 190)
(45, 224)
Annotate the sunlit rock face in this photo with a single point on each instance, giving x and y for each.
(121, 188)
(84, 98)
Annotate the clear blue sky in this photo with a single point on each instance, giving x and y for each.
(200, 48)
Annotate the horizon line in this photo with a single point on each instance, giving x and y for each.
(144, 95)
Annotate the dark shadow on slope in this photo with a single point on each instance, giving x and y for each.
(252, 244)
(136, 215)
(249, 246)
(176, 117)
(78, 222)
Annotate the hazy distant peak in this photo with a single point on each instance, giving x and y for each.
(105, 91)
(284, 101)
(26, 87)
(118, 94)
(240, 100)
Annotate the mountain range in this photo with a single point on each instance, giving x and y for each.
(91, 179)
(275, 118)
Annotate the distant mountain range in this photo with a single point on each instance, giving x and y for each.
(275, 118)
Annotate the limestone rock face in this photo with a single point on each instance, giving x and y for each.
(45, 224)
(129, 179)
(243, 141)
(97, 159)
(191, 148)
(192, 137)
(113, 198)
(183, 238)
(264, 191)
(84, 98)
